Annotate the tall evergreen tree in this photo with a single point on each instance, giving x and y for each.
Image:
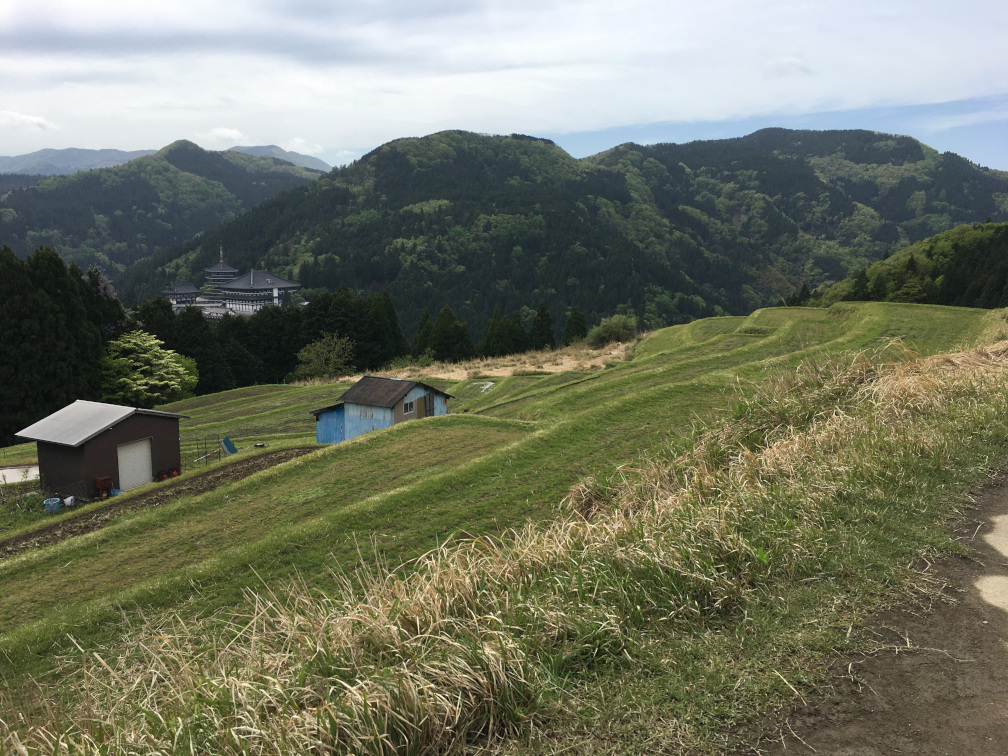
(196, 338)
(859, 291)
(520, 341)
(497, 338)
(422, 340)
(576, 327)
(541, 332)
(449, 340)
(54, 326)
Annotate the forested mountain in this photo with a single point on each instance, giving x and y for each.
(70, 160)
(672, 231)
(966, 266)
(271, 150)
(10, 181)
(114, 217)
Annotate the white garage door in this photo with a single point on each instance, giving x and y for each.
(135, 464)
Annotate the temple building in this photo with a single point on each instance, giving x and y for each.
(253, 291)
(226, 292)
(220, 273)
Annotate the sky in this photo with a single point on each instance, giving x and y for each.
(335, 78)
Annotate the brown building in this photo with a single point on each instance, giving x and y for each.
(86, 441)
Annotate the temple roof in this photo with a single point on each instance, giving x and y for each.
(221, 267)
(258, 280)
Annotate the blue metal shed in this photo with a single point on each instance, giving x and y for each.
(374, 403)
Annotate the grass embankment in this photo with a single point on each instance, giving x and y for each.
(658, 606)
(19, 454)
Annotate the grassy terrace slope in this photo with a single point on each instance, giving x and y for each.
(510, 451)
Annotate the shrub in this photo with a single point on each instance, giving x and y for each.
(615, 328)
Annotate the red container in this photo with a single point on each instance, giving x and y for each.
(104, 486)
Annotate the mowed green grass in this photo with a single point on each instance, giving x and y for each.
(19, 454)
(509, 453)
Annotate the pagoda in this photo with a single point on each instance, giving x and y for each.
(220, 273)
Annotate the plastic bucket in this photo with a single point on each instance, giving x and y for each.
(52, 505)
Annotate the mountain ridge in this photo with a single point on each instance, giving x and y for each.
(670, 231)
(65, 161)
(480, 222)
(113, 217)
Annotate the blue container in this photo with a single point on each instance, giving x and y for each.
(52, 505)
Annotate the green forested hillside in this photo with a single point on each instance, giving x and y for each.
(672, 231)
(114, 217)
(966, 266)
(55, 322)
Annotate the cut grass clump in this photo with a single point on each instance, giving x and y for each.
(828, 470)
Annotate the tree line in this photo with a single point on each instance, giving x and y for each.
(358, 332)
(66, 337)
(57, 321)
(965, 267)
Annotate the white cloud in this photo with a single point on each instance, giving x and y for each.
(972, 117)
(222, 135)
(10, 118)
(349, 76)
(297, 144)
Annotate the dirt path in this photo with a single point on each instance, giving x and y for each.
(942, 685)
(160, 494)
(19, 473)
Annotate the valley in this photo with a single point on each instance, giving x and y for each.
(513, 461)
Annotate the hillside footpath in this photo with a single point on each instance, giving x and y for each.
(937, 683)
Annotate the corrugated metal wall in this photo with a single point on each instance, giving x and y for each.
(360, 418)
(330, 428)
(350, 420)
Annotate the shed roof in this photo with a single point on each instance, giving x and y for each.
(375, 391)
(256, 280)
(81, 421)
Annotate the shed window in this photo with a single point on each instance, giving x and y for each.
(407, 407)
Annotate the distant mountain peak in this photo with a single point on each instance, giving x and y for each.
(62, 162)
(271, 150)
(180, 144)
(51, 162)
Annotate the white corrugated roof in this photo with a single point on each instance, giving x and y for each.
(81, 421)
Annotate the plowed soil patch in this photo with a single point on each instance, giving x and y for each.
(164, 493)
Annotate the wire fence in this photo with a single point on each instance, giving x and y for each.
(203, 450)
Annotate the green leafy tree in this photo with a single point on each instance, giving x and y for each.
(188, 388)
(576, 327)
(139, 372)
(616, 328)
(328, 358)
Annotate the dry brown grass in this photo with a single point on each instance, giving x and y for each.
(577, 357)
